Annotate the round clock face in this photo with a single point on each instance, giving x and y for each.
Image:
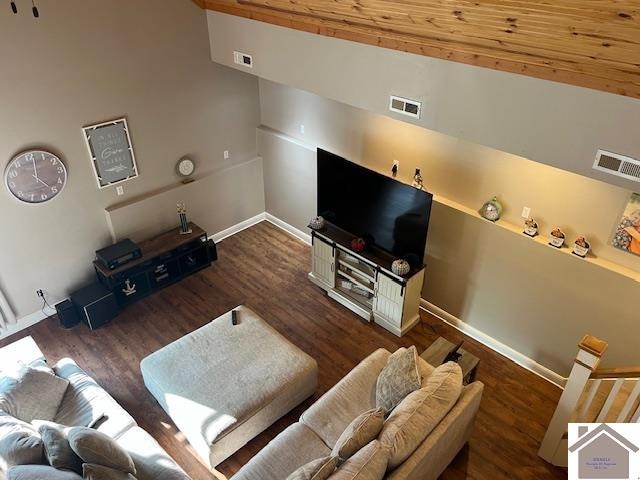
(186, 167)
(35, 176)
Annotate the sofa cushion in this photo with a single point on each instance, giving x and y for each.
(91, 471)
(19, 443)
(364, 429)
(40, 472)
(96, 447)
(150, 460)
(370, 463)
(85, 402)
(57, 450)
(420, 412)
(353, 394)
(319, 469)
(30, 392)
(294, 447)
(398, 378)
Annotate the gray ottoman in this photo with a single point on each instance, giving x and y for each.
(222, 384)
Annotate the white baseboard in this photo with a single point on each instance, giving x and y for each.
(305, 237)
(494, 344)
(238, 227)
(22, 323)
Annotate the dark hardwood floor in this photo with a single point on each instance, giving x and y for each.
(266, 269)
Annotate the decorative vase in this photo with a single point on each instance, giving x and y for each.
(400, 267)
(491, 210)
(358, 245)
(316, 223)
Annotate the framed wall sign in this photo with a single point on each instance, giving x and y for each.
(111, 152)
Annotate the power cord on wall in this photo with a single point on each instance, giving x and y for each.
(45, 304)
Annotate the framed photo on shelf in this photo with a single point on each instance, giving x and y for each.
(111, 152)
(627, 234)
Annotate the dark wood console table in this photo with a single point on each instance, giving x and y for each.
(166, 259)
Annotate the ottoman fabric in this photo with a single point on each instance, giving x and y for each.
(223, 384)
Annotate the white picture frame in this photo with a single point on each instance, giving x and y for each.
(111, 152)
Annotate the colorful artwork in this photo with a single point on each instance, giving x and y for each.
(627, 235)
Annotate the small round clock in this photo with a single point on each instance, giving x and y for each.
(185, 167)
(35, 176)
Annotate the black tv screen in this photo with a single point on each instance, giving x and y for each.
(366, 203)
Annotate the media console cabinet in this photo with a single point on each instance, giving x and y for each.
(166, 259)
(363, 282)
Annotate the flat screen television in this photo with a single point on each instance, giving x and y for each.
(395, 216)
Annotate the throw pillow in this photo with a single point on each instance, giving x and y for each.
(99, 472)
(370, 463)
(359, 433)
(56, 446)
(319, 469)
(32, 392)
(398, 378)
(418, 414)
(40, 472)
(19, 443)
(96, 447)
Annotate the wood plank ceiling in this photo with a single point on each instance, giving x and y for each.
(589, 43)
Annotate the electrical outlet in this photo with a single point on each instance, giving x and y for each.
(120, 190)
(526, 212)
(40, 293)
(225, 154)
(302, 129)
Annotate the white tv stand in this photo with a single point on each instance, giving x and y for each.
(364, 283)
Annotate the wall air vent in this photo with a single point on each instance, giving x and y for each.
(243, 59)
(618, 165)
(405, 106)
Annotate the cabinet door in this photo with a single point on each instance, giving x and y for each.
(324, 262)
(389, 300)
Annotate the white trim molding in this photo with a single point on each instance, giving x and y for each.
(238, 227)
(24, 322)
(494, 344)
(299, 234)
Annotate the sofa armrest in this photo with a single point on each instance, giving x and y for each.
(433, 456)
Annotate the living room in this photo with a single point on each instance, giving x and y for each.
(227, 116)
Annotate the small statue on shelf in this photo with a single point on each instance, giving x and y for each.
(531, 227)
(184, 223)
(581, 247)
(557, 238)
(418, 182)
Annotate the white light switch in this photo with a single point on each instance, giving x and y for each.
(526, 212)
(225, 154)
(120, 190)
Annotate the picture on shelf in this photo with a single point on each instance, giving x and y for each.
(627, 235)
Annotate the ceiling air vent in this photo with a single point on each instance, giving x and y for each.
(405, 106)
(618, 165)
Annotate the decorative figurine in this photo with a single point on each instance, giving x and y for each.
(531, 227)
(316, 223)
(400, 267)
(417, 180)
(492, 210)
(581, 247)
(358, 245)
(557, 238)
(184, 224)
(394, 169)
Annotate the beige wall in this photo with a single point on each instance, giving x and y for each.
(548, 122)
(86, 61)
(523, 294)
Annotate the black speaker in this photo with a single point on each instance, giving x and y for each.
(213, 251)
(95, 304)
(67, 314)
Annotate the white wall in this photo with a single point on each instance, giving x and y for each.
(548, 122)
(85, 61)
(525, 295)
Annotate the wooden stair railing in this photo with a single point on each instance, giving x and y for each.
(591, 395)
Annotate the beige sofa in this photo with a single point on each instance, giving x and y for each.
(320, 426)
(85, 403)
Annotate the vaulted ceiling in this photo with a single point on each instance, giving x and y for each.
(589, 43)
